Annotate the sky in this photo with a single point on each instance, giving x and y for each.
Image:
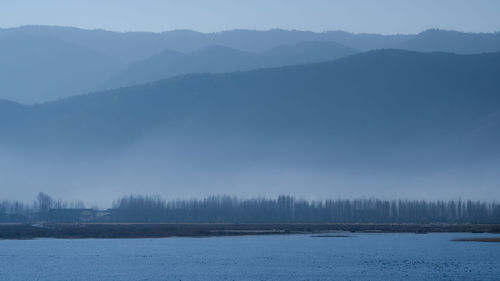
(381, 16)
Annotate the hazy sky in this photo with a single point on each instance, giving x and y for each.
(380, 16)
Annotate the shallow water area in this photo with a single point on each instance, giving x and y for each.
(360, 256)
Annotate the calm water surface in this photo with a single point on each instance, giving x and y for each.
(292, 257)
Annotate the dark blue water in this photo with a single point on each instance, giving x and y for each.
(292, 257)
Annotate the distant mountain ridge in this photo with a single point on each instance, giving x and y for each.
(44, 63)
(218, 59)
(434, 40)
(133, 46)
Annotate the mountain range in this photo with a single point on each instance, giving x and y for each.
(389, 112)
(218, 59)
(45, 63)
(380, 93)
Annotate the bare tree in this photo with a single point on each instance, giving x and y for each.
(44, 202)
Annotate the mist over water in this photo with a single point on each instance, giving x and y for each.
(175, 170)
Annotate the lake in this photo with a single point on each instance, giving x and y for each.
(362, 256)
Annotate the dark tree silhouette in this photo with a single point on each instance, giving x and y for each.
(44, 202)
(289, 209)
(283, 209)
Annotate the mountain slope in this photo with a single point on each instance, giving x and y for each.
(384, 123)
(383, 93)
(216, 59)
(305, 52)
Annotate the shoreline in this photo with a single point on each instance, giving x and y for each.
(24, 231)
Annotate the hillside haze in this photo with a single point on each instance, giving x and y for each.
(36, 69)
(386, 123)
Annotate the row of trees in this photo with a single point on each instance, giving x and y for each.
(258, 210)
(289, 209)
(43, 203)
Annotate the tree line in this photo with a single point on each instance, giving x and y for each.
(285, 209)
(289, 209)
(18, 211)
